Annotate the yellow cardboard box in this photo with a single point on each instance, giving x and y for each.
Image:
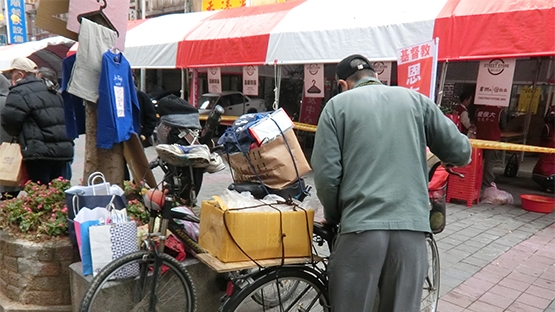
(257, 233)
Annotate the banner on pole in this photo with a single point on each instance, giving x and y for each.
(314, 80)
(214, 80)
(250, 80)
(383, 69)
(494, 82)
(417, 67)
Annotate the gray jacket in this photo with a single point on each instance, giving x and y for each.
(369, 157)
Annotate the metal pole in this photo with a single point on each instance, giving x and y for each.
(143, 70)
(529, 113)
(442, 82)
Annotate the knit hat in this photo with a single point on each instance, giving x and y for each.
(344, 69)
(23, 64)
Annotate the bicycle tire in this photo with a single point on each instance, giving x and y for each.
(175, 290)
(310, 293)
(430, 293)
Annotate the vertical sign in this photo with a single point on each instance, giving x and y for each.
(310, 110)
(494, 82)
(193, 94)
(108, 13)
(214, 5)
(314, 80)
(214, 80)
(250, 80)
(416, 67)
(383, 69)
(15, 21)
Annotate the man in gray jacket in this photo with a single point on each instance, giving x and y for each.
(370, 172)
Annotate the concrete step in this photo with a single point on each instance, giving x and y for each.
(208, 285)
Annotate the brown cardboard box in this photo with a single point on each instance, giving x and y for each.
(257, 233)
(272, 162)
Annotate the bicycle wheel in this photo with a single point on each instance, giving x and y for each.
(265, 293)
(430, 294)
(113, 289)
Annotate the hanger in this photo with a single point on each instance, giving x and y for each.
(99, 17)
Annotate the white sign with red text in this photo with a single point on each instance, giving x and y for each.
(250, 80)
(214, 80)
(494, 82)
(383, 69)
(314, 80)
(417, 66)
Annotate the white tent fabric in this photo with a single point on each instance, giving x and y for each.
(153, 44)
(10, 52)
(327, 31)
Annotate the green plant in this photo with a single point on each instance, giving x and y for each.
(135, 207)
(40, 211)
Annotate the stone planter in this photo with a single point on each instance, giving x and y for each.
(35, 274)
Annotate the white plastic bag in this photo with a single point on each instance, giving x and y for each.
(495, 196)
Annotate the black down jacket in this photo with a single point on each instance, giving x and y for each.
(35, 116)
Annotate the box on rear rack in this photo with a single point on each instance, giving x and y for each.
(230, 234)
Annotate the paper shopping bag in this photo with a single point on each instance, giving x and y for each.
(11, 162)
(75, 203)
(111, 241)
(84, 219)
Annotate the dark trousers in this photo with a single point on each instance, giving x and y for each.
(44, 171)
(391, 262)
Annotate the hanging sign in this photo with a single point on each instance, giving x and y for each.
(107, 13)
(417, 66)
(214, 80)
(526, 100)
(15, 21)
(494, 82)
(250, 80)
(193, 95)
(314, 80)
(310, 110)
(383, 69)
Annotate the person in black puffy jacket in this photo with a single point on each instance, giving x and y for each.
(34, 114)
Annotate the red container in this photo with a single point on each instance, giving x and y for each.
(537, 203)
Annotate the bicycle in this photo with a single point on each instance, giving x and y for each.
(163, 283)
(304, 287)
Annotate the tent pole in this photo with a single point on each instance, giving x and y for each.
(442, 82)
(529, 113)
(183, 83)
(143, 79)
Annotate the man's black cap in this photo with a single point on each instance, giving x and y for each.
(344, 68)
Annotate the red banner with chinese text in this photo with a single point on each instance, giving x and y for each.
(310, 110)
(416, 67)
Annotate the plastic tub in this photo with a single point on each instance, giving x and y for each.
(537, 203)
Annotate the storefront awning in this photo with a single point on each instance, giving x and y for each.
(477, 29)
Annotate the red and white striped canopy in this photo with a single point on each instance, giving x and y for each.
(294, 32)
(478, 29)
(325, 31)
